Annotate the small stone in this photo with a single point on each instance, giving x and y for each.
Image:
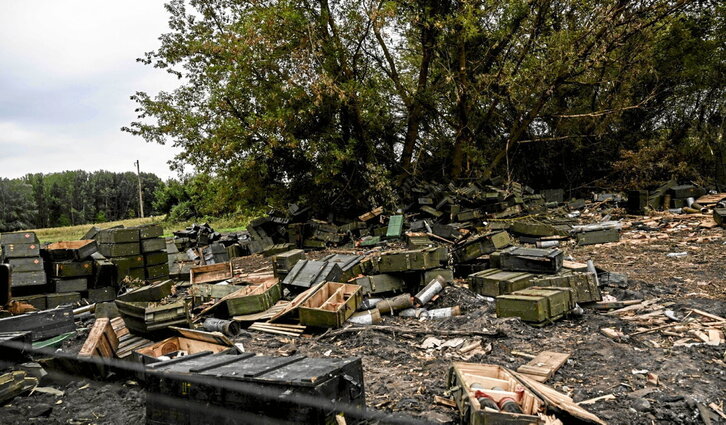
(40, 409)
(641, 405)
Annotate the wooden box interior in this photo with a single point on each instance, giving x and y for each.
(489, 376)
(331, 296)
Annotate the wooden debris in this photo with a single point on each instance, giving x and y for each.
(444, 401)
(606, 397)
(279, 329)
(102, 340)
(717, 409)
(13, 384)
(544, 365)
(612, 333)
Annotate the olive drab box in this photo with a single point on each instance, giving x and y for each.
(150, 231)
(468, 383)
(598, 237)
(395, 226)
(380, 283)
(147, 317)
(36, 278)
(253, 298)
(349, 264)
(537, 229)
(420, 259)
(537, 305)
(67, 269)
(126, 249)
(637, 201)
(482, 245)
(18, 238)
(26, 264)
(71, 250)
(495, 282)
(283, 262)
(117, 236)
(719, 216)
(70, 285)
(155, 258)
(584, 285)
(151, 245)
(17, 250)
(260, 388)
(331, 305)
(61, 299)
(531, 260)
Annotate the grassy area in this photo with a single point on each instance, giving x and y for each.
(70, 233)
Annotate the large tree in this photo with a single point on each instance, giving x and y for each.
(327, 102)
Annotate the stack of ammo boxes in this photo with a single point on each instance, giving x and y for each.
(138, 252)
(70, 267)
(153, 248)
(22, 251)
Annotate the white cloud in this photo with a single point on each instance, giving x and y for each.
(67, 69)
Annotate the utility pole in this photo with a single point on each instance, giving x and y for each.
(141, 196)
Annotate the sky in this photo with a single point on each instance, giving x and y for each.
(67, 70)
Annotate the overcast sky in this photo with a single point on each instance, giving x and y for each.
(67, 69)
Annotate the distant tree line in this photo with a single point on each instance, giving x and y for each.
(73, 198)
(332, 103)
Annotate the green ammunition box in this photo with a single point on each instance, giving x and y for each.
(554, 195)
(430, 275)
(55, 300)
(495, 282)
(494, 261)
(69, 285)
(283, 262)
(307, 273)
(431, 211)
(331, 305)
(37, 301)
(372, 241)
(277, 249)
(26, 238)
(598, 237)
(17, 250)
(395, 226)
(150, 231)
(155, 258)
(125, 263)
(119, 249)
(314, 244)
(536, 229)
(148, 317)
(584, 285)
(678, 203)
(117, 236)
(67, 269)
(719, 216)
(349, 264)
(26, 264)
(468, 215)
(380, 283)
(160, 271)
(536, 304)
(419, 242)
(135, 274)
(421, 259)
(149, 293)
(637, 201)
(253, 298)
(531, 260)
(153, 245)
(686, 191)
(99, 295)
(481, 245)
(36, 278)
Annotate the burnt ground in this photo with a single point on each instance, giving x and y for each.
(402, 376)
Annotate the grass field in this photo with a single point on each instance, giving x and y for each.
(70, 233)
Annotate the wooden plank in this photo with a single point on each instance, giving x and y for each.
(544, 365)
(101, 341)
(709, 315)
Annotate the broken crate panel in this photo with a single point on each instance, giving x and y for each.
(101, 341)
(210, 273)
(495, 282)
(469, 382)
(537, 305)
(331, 305)
(583, 285)
(307, 273)
(190, 341)
(279, 380)
(531, 260)
(481, 245)
(43, 324)
(147, 317)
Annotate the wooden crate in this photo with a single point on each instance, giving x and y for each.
(119, 249)
(419, 259)
(533, 397)
(190, 341)
(380, 283)
(253, 298)
(67, 269)
(481, 245)
(102, 340)
(147, 317)
(598, 237)
(537, 305)
(331, 305)
(584, 285)
(210, 273)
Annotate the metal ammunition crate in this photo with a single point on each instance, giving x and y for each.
(331, 305)
(495, 282)
(531, 260)
(537, 305)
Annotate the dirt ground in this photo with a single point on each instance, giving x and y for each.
(403, 376)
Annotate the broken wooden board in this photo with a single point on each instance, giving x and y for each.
(277, 328)
(279, 307)
(544, 365)
(15, 383)
(102, 340)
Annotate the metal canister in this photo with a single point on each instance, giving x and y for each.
(227, 327)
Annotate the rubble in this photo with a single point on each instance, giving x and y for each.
(467, 271)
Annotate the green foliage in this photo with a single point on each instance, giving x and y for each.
(329, 103)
